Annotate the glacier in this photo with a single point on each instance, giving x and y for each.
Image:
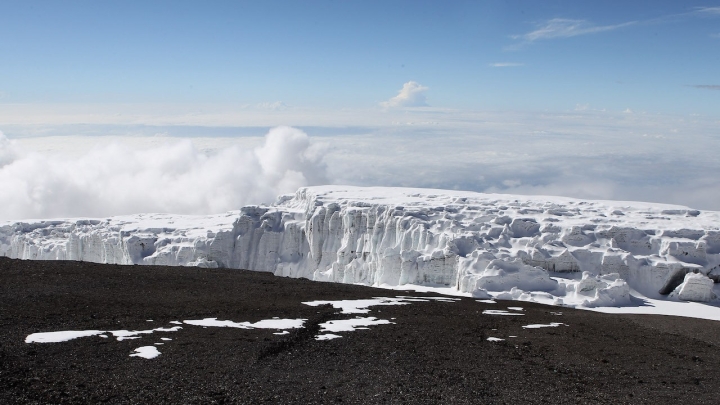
(556, 250)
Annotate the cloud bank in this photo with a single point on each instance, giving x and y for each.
(175, 177)
(412, 94)
(586, 154)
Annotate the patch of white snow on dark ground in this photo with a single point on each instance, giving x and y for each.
(349, 325)
(538, 325)
(499, 312)
(61, 336)
(146, 352)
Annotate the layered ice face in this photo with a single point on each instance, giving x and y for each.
(547, 249)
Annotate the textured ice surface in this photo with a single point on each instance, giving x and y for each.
(695, 287)
(554, 250)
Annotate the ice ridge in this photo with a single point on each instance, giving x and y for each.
(547, 249)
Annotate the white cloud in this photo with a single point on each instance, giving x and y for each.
(412, 94)
(175, 177)
(565, 28)
(587, 154)
(506, 64)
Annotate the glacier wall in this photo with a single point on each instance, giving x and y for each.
(525, 247)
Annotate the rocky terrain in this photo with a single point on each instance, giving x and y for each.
(429, 351)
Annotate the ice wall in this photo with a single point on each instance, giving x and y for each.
(587, 252)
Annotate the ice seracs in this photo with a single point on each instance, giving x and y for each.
(695, 287)
(554, 250)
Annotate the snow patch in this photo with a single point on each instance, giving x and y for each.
(362, 306)
(538, 325)
(146, 352)
(499, 312)
(327, 336)
(61, 336)
(349, 325)
(264, 324)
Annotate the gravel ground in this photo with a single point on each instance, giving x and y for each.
(434, 352)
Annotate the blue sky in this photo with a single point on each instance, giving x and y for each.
(558, 55)
(104, 103)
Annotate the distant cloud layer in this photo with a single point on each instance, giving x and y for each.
(587, 153)
(412, 94)
(176, 177)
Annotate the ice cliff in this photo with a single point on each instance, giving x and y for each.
(547, 249)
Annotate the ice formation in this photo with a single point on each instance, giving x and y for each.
(554, 250)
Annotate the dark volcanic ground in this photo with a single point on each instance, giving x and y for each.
(436, 352)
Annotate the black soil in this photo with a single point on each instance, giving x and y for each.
(435, 352)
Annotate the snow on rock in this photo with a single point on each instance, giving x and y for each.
(486, 245)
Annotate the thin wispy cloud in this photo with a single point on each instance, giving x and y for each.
(566, 28)
(412, 94)
(708, 10)
(706, 86)
(506, 64)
